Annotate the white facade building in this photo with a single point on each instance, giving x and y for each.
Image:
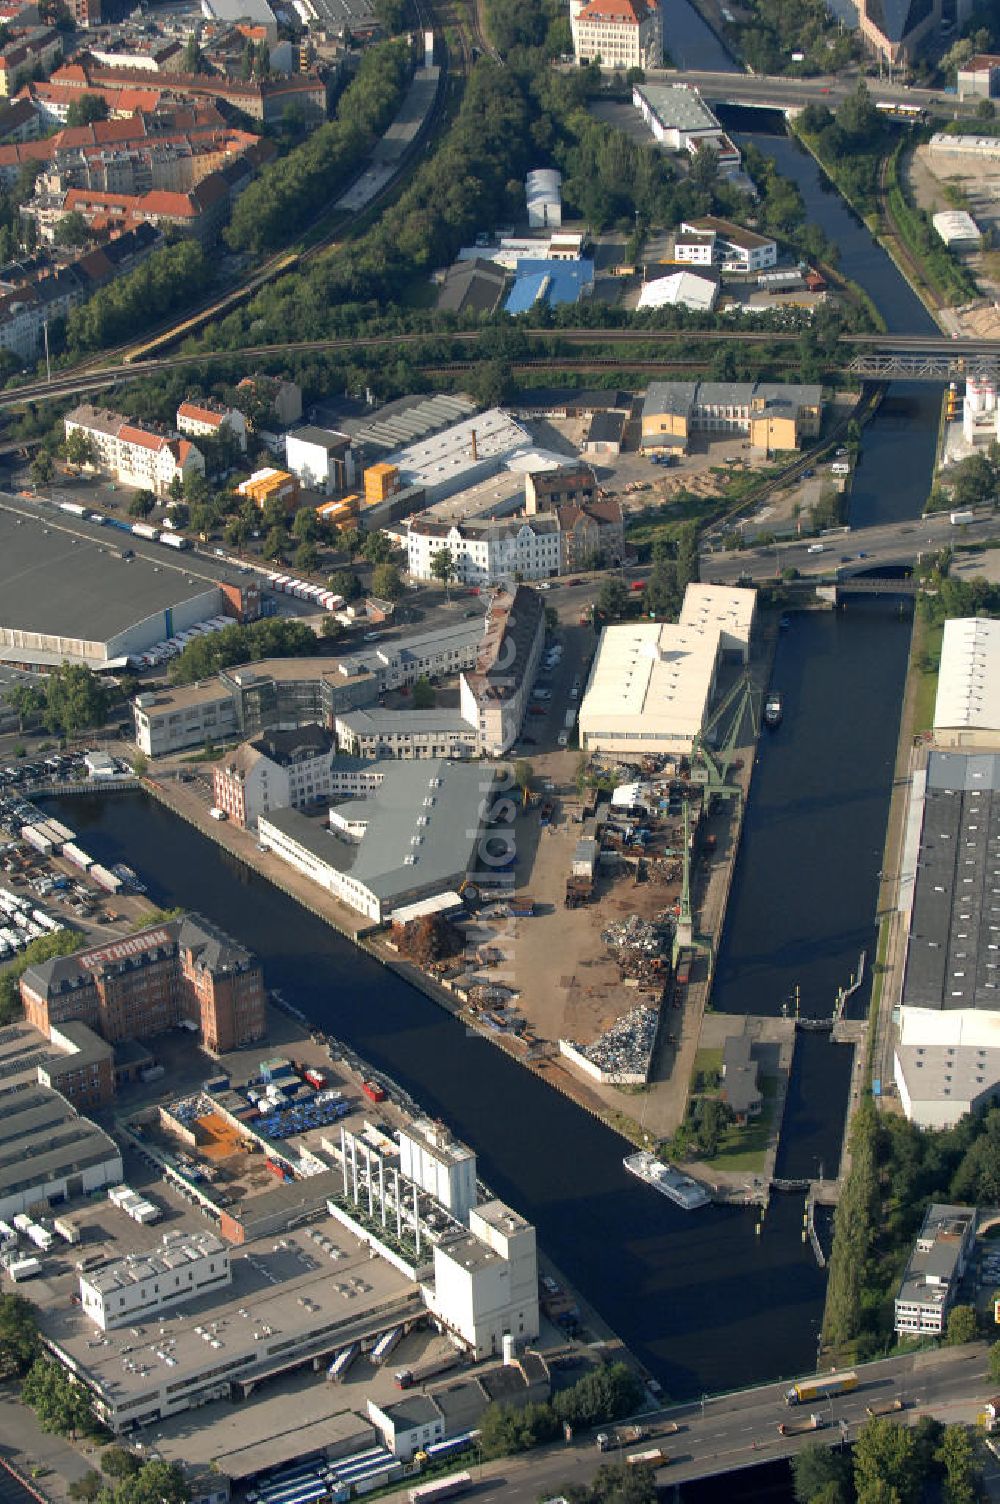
(279, 770)
(135, 456)
(980, 411)
(439, 1165)
(203, 419)
(680, 290)
(486, 551)
(617, 33)
(128, 1290)
(322, 459)
(934, 1270)
(967, 707)
(733, 248)
(486, 1285)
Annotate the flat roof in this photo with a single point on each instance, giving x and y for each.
(654, 675)
(953, 950)
(968, 692)
(931, 1267)
(435, 460)
(732, 610)
(58, 581)
(962, 1074)
(678, 108)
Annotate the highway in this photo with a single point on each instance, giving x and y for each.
(891, 545)
(727, 1433)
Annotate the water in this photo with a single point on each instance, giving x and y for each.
(690, 42)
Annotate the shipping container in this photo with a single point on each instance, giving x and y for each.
(24, 1269)
(373, 1091)
(67, 1230)
(440, 1488)
(143, 530)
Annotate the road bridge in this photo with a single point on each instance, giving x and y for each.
(775, 92)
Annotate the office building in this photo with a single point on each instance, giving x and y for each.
(151, 981)
(275, 771)
(84, 1069)
(376, 733)
(135, 456)
(773, 416)
(934, 1270)
(494, 695)
(139, 1286)
(616, 33)
(710, 240)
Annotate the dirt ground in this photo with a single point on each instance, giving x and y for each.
(930, 173)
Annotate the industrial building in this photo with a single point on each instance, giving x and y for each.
(47, 1151)
(712, 241)
(275, 771)
(413, 837)
(773, 416)
(967, 707)
(681, 121)
(322, 459)
(494, 695)
(141, 1285)
(980, 410)
(543, 193)
(934, 1270)
(148, 982)
(680, 290)
(461, 455)
(979, 78)
(958, 230)
(377, 733)
(651, 684)
(947, 1053)
(70, 596)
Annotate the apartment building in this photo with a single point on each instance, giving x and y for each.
(617, 33)
(149, 982)
(709, 240)
(494, 695)
(25, 49)
(934, 1270)
(262, 99)
(486, 551)
(202, 418)
(279, 770)
(589, 532)
(134, 455)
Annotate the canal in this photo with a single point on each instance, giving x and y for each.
(704, 1300)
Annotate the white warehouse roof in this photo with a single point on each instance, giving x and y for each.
(955, 226)
(731, 611)
(680, 288)
(444, 456)
(968, 693)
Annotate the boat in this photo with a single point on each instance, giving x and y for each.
(681, 1189)
(773, 709)
(784, 622)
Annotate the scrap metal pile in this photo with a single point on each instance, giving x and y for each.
(639, 946)
(626, 1047)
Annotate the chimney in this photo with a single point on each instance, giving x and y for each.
(475, 447)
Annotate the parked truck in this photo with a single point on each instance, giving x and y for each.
(814, 1423)
(957, 519)
(821, 1386)
(655, 1457)
(886, 1407)
(24, 1269)
(67, 1230)
(626, 1436)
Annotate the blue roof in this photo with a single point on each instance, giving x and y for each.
(554, 282)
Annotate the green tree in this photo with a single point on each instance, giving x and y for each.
(994, 1362)
(86, 110)
(42, 468)
(75, 700)
(305, 525)
(191, 58)
(818, 1468)
(154, 1483)
(26, 701)
(962, 1325)
(71, 230)
(424, 696)
(956, 1455)
(986, 110)
(346, 583)
(386, 582)
(18, 1334)
(603, 1394)
(80, 448)
(613, 599)
(524, 774)
(974, 482)
(378, 548)
(87, 1488)
(142, 503)
(60, 943)
(443, 568)
(61, 1405)
(662, 595)
(885, 1464)
(274, 544)
(307, 557)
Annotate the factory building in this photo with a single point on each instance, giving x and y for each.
(71, 597)
(967, 707)
(322, 459)
(773, 416)
(413, 837)
(947, 1053)
(151, 981)
(543, 192)
(681, 121)
(440, 1165)
(934, 1270)
(651, 684)
(980, 410)
(460, 456)
(494, 695)
(486, 1284)
(48, 1152)
(141, 1285)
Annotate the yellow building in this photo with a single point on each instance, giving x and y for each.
(271, 485)
(381, 481)
(774, 416)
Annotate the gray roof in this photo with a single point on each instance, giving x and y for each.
(211, 948)
(407, 420)
(475, 286)
(944, 1229)
(66, 583)
(448, 796)
(739, 1075)
(669, 397)
(88, 1049)
(392, 722)
(42, 1138)
(956, 906)
(288, 747)
(606, 428)
(414, 1410)
(325, 438)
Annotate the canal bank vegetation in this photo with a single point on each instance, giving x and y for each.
(890, 1461)
(947, 278)
(896, 1171)
(797, 38)
(603, 1395)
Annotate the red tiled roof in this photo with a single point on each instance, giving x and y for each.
(128, 434)
(200, 414)
(627, 12)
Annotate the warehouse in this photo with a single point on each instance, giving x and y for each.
(47, 1152)
(461, 455)
(967, 708)
(957, 229)
(69, 597)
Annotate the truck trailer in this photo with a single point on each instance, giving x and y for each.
(821, 1386)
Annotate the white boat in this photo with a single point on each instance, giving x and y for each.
(668, 1181)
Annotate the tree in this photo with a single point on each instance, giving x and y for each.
(662, 595)
(885, 1463)
(524, 774)
(962, 1325)
(72, 229)
(192, 60)
(346, 583)
(26, 701)
(613, 599)
(994, 1362)
(818, 1468)
(352, 542)
(142, 504)
(378, 548)
(424, 696)
(386, 582)
(86, 110)
(87, 1488)
(443, 568)
(61, 1405)
(42, 468)
(180, 514)
(307, 557)
(75, 700)
(974, 483)
(305, 525)
(118, 1461)
(986, 110)
(704, 171)
(154, 1483)
(492, 383)
(274, 544)
(961, 1476)
(18, 1334)
(80, 448)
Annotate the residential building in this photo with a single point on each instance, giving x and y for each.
(934, 1270)
(134, 455)
(24, 49)
(651, 684)
(616, 33)
(897, 30)
(202, 418)
(733, 248)
(277, 770)
(547, 490)
(131, 1290)
(376, 733)
(268, 484)
(322, 459)
(413, 837)
(262, 99)
(277, 398)
(591, 533)
(494, 695)
(773, 416)
(84, 1070)
(147, 983)
(48, 1152)
(486, 550)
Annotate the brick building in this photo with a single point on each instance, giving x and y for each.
(184, 970)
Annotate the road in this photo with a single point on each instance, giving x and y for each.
(894, 544)
(795, 93)
(738, 1431)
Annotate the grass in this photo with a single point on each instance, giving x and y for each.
(745, 1149)
(926, 650)
(707, 1067)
